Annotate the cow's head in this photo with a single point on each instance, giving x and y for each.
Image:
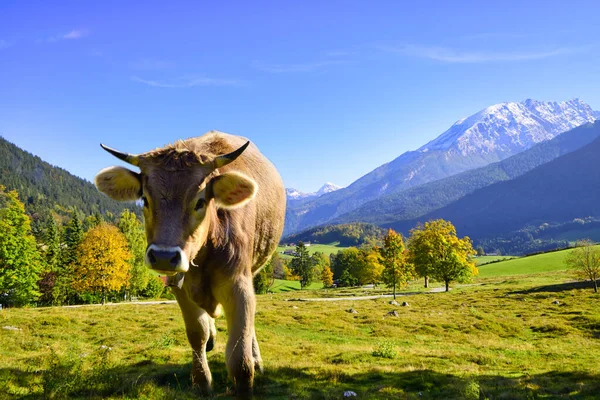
(181, 192)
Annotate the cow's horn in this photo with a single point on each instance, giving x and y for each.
(129, 158)
(225, 159)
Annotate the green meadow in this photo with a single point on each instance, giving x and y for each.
(323, 248)
(523, 330)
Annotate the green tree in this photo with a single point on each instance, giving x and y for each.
(397, 271)
(480, 251)
(102, 261)
(584, 262)
(154, 289)
(350, 260)
(133, 230)
(73, 236)
(447, 257)
(63, 292)
(264, 279)
(20, 261)
(52, 244)
(319, 261)
(302, 265)
(347, 279)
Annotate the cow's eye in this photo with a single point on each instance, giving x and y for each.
(145, 201)
(200, 204)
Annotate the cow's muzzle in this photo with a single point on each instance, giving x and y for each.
(166, 260)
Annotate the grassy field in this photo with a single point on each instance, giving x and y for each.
(281, 285)
(546, 262)
(323, 248)
(526, 335)
(488, 259)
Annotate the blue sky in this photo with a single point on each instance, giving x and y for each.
(327, 90)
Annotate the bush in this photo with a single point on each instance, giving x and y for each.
(385, 350)
(154, 288)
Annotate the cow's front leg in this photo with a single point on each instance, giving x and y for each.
(199, 327)
(258, 364)
(239, 307)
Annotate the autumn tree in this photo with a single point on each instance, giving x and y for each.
(302, 265)
(584, 262)
(397, 271)
(327, 277)
(139, 273)
(20, 261)
(370, 268)
(437, 252)
(102, 261)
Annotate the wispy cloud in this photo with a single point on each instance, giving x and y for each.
(341, 53)
(71, 35)
(75, 34)
(4, 44)
(449, 55)
(186, 82)
(290, 68)
(148, 64)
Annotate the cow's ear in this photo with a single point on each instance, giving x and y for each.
(232, 189)
(119, 183)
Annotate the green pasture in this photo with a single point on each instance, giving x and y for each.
(323, 248)
(523, 330)
(547, 262)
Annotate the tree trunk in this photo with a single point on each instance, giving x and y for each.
(447, 286)
(426, 281)
(103, 297)
(595, 286)
(394, 290)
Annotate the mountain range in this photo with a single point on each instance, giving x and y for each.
(562, 191)
(489, 136)
(296, 197)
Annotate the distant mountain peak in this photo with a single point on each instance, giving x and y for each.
(511, 126)
(328, 187)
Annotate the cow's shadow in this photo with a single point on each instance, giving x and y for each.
(150, 380)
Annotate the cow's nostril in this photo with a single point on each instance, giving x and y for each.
(151, 256)
(176, 259)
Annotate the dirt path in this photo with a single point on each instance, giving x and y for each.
(380, 296)
(139, 303)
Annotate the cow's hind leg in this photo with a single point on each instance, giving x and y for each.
(200, 330)
(239, 307)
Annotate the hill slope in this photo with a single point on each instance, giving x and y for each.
(488, 136)
(44, 187)
(414, 202)
(557, 192)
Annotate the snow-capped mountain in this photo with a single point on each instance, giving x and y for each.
(293, 194)
(509, 127)
(491, 135)
(327, 188)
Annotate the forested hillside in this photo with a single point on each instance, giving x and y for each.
(346, 234)
(44, 187)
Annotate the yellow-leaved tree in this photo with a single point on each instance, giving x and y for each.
(437, 252)
(102, 261)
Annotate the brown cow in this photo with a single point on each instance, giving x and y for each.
(226, 217)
